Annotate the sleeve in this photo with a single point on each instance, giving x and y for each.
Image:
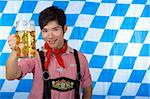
(85, 73)
(26, 65)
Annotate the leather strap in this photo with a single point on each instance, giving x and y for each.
(77, 88)
(46, 81)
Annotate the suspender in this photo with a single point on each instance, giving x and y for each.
(77, 89)
(47, 82)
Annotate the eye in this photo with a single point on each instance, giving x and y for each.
(56, 29)
(44, 30)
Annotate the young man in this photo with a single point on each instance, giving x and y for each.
(61, 74)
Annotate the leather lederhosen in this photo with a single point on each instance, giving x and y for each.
(68, 84)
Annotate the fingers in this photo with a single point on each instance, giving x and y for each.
(11, 37)
(12, 45)
(12, 41)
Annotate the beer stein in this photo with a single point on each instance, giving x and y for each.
(25, 39)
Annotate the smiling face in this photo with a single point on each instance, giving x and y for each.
(53, 34)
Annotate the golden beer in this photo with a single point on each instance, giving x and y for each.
(25, 40)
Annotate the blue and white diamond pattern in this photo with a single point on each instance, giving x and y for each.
(114, 35)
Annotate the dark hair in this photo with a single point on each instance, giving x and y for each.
(50, 14)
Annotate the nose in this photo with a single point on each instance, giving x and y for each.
(50, 34)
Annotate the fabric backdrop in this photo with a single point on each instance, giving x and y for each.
(114, 35)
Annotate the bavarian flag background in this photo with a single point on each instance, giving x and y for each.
(114, 35)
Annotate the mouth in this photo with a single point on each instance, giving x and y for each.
(51, 42)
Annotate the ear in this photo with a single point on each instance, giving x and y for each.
(65, 28)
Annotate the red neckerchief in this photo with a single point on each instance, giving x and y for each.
(57, 53)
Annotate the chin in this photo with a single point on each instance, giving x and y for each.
(53, 46)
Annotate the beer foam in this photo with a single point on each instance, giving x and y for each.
(30, 28)
(20, 28)
(23, 25)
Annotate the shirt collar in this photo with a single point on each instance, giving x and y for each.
(69, 50)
